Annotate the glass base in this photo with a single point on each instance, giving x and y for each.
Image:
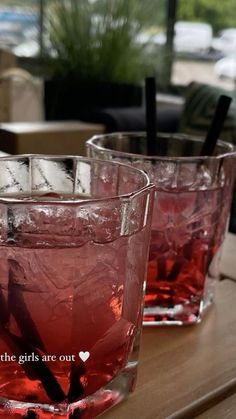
(178, 315)
(87, 408)
(182, 314)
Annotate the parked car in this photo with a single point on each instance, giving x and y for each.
(190, 37)
(226, 67)
(226, 42)
(27, 49)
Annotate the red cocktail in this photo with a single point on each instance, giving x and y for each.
(71, 298)
(192, 202)
(187, 234)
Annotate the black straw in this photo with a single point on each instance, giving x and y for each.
(151, 123)
(21, 346)
(216, 125)
(18, 308)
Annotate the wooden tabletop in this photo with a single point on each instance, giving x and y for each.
(189, 371)
(226, 409)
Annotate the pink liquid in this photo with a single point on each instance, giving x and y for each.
(187, 232)
(60, 301)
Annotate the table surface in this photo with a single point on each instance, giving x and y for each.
(190, 371)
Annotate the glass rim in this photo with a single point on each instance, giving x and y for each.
(11, 199)
(180, 136)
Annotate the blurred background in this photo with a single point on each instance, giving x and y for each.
(85, 61)
(190, 39)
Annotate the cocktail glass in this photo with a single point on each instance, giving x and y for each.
(191, 209)
(74, 236)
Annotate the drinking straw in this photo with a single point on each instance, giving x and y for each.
(151, 123)
(34, 370)
(176, 268)
(15, 344)
(4, 311)
(18, 308)
(30, 415)
(76, 389)
(20, 346)
(31, 340)
(216, 125)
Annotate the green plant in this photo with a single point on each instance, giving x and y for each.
(96, 40)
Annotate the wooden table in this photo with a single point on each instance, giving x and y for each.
(59, 137)
(190, 372)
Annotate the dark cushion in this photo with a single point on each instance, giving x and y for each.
(133, 119)
(200, 104)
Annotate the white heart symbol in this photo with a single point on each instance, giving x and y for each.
(84, 355)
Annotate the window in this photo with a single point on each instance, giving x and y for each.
(19, 26)
(205, 43)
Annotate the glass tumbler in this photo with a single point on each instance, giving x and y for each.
(191, 208)
(74, 236)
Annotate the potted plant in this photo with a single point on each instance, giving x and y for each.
(98, 62)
